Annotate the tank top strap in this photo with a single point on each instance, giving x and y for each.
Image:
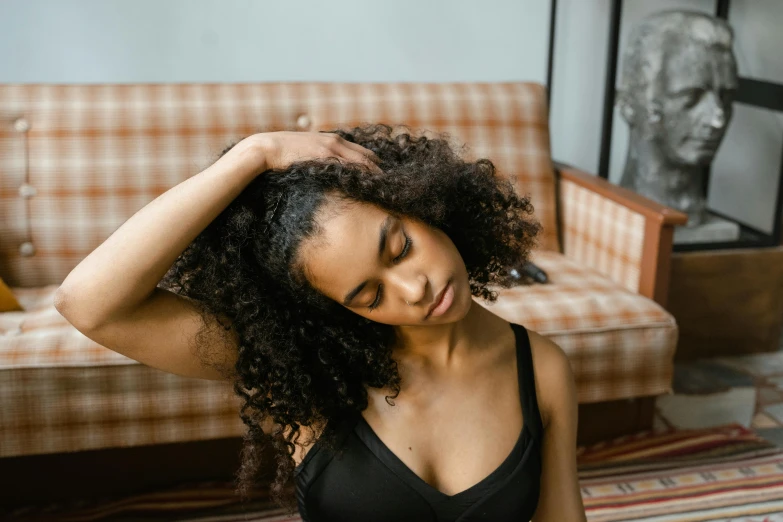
(341, 425)
(527, 383)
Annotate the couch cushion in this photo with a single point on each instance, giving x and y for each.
(76, 161)
(40, 337)
(620, 344)
(64, 392)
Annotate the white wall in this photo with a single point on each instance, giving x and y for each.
(116, 41)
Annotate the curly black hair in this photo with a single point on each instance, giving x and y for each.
(303, 358)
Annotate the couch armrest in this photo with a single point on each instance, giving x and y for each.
(616, 231)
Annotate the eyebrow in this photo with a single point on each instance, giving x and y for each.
(384, 232)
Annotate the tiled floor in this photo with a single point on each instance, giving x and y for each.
(710, 392)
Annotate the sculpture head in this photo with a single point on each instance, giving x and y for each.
(677, 84)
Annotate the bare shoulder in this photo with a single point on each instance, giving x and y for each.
(552, 370)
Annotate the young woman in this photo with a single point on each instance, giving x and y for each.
(331, 277)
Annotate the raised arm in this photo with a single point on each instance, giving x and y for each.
(111, 296)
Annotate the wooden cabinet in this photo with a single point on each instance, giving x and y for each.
(727, 302)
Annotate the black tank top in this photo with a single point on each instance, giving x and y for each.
(366, 481)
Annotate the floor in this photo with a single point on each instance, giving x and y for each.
(710, 392)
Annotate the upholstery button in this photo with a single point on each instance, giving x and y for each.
(27, 249)
(303, 121)
(26, 190)
(21, 125)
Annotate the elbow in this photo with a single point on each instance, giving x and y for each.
(60, 300)
(64, 304)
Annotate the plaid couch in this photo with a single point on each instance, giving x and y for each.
(76, 161)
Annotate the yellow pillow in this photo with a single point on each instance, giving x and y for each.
(8, 302)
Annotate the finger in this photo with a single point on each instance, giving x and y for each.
(362, 150)
(364, 160)
(357, 157)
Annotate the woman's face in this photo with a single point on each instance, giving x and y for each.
(372, 262)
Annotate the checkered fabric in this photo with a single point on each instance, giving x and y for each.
(601, 234)
(96, 154)
(76, 161)
(63, 392)
(620, 344)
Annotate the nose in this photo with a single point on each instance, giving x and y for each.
(412, 288)
(717, 112)
(718, 118)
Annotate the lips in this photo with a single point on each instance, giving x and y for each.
(438, 299)
(714, 140)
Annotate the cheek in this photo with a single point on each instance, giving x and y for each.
(678, 127)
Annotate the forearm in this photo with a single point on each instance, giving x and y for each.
(125, 269)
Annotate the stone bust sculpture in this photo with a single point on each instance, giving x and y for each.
(677, 84)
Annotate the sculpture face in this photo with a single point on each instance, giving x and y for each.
(694, 94)
(678, 83)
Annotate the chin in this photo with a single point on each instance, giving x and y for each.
(698, 158)
(692, 157)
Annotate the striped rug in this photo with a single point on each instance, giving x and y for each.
(719, 474)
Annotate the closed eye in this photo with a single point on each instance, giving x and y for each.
(379, 295)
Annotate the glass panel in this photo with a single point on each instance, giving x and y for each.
(757, 38)
(746, 171)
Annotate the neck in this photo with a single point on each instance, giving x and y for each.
(444, 346)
